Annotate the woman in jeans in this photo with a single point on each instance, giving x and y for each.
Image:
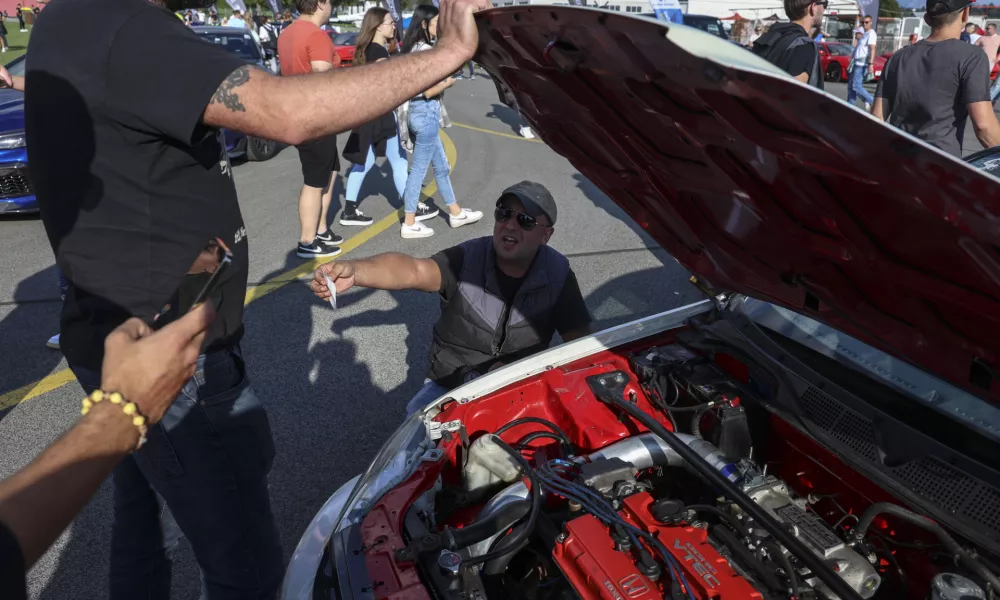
(424, 118)
(377, 137)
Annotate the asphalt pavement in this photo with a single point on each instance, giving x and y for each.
(335, 383)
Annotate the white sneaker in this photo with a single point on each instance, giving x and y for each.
(53, 342)
(466, 217)
(868, 107)
(417, 230)
(526, 133)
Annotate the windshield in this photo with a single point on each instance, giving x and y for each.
(902, 376)
(709, 24)
(240, 44)
(345, 39)
(840, 49)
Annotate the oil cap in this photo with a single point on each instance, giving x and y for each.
(669, 511)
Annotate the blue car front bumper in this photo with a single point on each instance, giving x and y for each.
(16, 192)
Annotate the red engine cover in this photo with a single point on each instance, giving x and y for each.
(588, 558)
(596, 569)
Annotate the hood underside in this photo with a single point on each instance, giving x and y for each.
(764, 186)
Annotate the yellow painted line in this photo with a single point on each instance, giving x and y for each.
(60, 378)
(498, 133)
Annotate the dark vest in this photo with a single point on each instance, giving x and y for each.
(477, 329)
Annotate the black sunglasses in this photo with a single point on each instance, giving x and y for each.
(823, 3)
(524, 220)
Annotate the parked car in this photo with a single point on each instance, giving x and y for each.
(240, 42)
(824, 424)
(705, 23)
(16, 193)
(835, 58)
(343, 45)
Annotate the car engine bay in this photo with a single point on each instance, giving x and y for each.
(643, 472)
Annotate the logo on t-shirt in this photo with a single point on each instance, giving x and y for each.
(241, 234)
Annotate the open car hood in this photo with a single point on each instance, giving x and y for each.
(764, 186)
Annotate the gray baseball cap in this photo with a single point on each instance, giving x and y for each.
(536, 199)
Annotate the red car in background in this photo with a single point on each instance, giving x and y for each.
(343, 45)
(836, 56)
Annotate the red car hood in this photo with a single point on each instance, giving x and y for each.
(764, 186)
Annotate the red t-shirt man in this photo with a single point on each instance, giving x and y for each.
(300, 44)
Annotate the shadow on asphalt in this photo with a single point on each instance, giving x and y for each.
(328, 415)
(508, 116)
(26, 328)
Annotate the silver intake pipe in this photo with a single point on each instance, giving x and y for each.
(649, 450)
(643, 451)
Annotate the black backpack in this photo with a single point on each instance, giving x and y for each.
(773, 48)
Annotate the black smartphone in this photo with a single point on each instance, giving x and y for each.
(222, 258)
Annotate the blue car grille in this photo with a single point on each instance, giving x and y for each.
(15, 183)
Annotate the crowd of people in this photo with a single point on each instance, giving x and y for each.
(170, 408)
(929, 88)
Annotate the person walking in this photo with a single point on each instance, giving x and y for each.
(990, 43)
(3, 33)
(862, 63)
(236, 20)
(487, 286)
(423, 121)
(378, 137)
(20, 18)
(971, 33)
(268, 37)
(931, 89)
(788, 45)
(305, 48)
(142, 93)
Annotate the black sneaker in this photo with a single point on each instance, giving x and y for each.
(425, 212)
(330, 238)
(315, 249)
(353, 216)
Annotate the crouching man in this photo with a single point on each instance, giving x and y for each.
(502, 297)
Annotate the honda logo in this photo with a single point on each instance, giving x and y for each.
(633, 586)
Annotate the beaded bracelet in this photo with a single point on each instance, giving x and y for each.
(129, 408)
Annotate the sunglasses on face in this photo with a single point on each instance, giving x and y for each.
(524, 220)
(824, 4)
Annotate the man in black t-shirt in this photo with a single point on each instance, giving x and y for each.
(133, 183)
(502, 297)
(788, 45)
(931, 88)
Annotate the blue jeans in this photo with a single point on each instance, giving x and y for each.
(424, 118)
(397, 160)
(855, 88)
(995, 90)
(427, 394)
(202, 474)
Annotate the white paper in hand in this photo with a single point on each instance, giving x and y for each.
(333, 291)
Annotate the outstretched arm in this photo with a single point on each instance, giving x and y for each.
(296, 109)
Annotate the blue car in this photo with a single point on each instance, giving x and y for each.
(16, 193)
(244, 45)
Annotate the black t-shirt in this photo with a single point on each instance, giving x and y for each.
(375, 52)
(926, 89)
(788, 47)
(12, 584)
(569, 314)
(131, 184)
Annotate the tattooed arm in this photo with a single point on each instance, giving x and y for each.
(296, 109)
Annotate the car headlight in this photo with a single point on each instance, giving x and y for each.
(394, 463)
(14, 139)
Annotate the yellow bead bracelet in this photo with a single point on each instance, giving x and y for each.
(129, 408)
